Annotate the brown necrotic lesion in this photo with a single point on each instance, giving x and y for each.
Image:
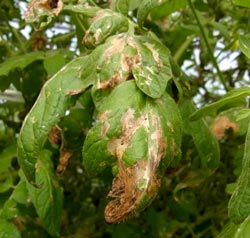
(136, 184)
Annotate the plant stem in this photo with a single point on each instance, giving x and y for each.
(210, 51)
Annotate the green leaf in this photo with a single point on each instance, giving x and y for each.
(232, 230)
(54, 99)
(54, 62)
(122, 6)
(8, 229)
(20, 61)
(144, 9)
(153, 70)
(141, 136)
(204, 140)
(47, 197)
(242, 3)
(239, 204)
(81, 8)
(105, 24)
(6, 157)
(234, 98)
(244, 42)
(167, 7)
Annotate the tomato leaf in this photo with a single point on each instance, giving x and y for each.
(234, 98)
(204, 140)
(153, 70)
(47, 196)
(239, 204)
(245, 45)
(54, 99)
(139, 135)
(8, 229)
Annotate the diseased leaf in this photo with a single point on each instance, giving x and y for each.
(105, 24)
(48, 195)
(81, 8)
(8, 229)
(245, 45)
(141, 136)
(114, 64)
(153, 70)
(234, 98)
(204, 140)
(20, 61)
(51, 105)
(239, 204)
(41, 12)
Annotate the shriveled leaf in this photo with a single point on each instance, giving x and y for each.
(104, 24)
(47, 197)
(234, 98)
(20, 61)
(8, 229)
(239, 204)
(153, 70)
(167, 7)
(242, 3)
(41, 12)
(204, 140)
(245, 45)
(51, 105)
(141, 136)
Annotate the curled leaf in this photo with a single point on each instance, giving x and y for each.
(140, 136)
(43, 11)
(104, 24)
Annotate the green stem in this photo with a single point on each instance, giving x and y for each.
(18, 38)
(210, 51)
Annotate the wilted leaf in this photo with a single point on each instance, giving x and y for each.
(239, 204)
(41, 12)
(141, 136)
(204, 140)
(51, 104)
(8, 229)
(233, 98)
(48, 195)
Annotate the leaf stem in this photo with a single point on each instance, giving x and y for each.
(210, 51)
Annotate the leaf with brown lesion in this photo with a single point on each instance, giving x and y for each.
(138, 135)
(39, 10)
